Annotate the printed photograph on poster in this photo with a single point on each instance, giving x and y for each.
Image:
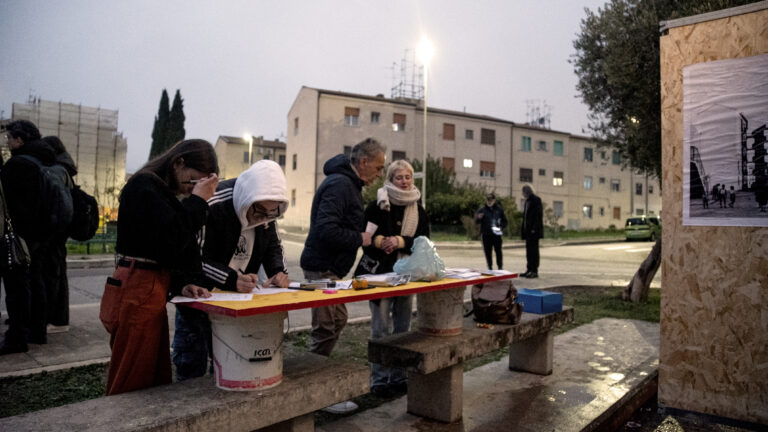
(725, 153)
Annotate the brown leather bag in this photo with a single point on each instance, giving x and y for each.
(496, 302)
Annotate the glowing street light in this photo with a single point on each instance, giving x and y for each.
(249, 138)
(424, 51)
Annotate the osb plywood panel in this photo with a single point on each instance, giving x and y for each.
(714, 306)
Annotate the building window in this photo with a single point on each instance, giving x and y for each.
(293, 162)
(281, 160)
(295, 126)
(449, 164)
(266, 157)
(374, 117)
(469, 134)
(487, 169)
(587, 154)
(348, 151)
(541, 146)
(449, 132)
(602, 211)
(603, 155)
(602, 180)
(467, 163)
(557, 178)
(398, 122)
(526, 144)
(616, 158)
(487, 136)
(397, 155)
(557, 208)
(617, 212)
(587, 211)
(351, 116)
(526, 175)
(246, 157)
(615, 185)
(542, 172)
(293, 197)
(557, 148)
(650, 189)
(639, 212)
(638, 188)
(587, 182)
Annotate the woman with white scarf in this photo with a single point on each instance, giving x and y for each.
(399, 219)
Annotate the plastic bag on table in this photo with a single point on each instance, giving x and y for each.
(424, 264)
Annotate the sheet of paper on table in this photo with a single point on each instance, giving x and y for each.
(215, 297)
(495, 272)
(386, 279)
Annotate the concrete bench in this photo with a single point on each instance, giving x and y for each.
(310, 382)
(435, 364)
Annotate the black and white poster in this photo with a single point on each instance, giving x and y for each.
(725, 154)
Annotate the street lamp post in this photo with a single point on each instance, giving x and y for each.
(425, 50)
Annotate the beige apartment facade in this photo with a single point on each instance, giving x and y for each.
(584, 185)
(235, 154)
(91, 137)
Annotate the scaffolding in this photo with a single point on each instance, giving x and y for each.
(407, 78)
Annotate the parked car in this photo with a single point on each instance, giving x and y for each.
(642, 228)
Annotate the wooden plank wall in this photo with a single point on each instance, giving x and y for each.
(714, 304)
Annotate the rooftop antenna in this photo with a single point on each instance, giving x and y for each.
(409, 84)
(538, 113)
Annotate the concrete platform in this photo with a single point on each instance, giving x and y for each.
(598, 368)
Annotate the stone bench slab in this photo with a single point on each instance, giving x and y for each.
(310, 382)
(427, 354)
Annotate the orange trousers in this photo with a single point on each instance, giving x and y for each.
(133, 312)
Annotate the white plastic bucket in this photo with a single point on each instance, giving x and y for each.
(440, 313)
(247, 351)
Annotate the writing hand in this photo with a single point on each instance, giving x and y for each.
(246, 282)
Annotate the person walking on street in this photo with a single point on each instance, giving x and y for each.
(336, 231)
(532, 230)
(399, 219)
(492, 221)
(240, 236)
(731, 197)
(162, 207)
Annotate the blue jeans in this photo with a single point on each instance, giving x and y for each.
(192, 347)
(394, 312)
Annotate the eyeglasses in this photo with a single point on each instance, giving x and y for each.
(260, 210)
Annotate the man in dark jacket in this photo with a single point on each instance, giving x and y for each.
(492, 222)
(532, 230)
(240, 236)
(336, 230)
(25, 290)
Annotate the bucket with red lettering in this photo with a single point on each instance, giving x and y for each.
(247, 351)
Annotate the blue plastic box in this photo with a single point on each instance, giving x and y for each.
(540, 302)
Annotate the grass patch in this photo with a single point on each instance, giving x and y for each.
(46, 390)
(51, 389)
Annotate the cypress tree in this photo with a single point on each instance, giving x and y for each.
(160, 129)
(176, 119)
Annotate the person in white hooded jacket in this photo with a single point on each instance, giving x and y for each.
(239, 236)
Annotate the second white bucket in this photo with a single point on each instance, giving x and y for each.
(247, 351)
(440, 313)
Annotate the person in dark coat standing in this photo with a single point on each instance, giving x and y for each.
(55, 276)
(25, 289)
(336, 231)
(492, 222)
(532, 230)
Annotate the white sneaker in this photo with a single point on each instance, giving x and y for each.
(57, 329)
(341, 407)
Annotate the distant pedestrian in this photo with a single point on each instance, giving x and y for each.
(704, 200)
(532, 230)
(492, 221)
(722, 194)
(716, 193)
(731, 197)
(157, 254)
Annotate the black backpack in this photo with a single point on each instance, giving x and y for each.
(85, 218)
(496, 302)
(55, 197)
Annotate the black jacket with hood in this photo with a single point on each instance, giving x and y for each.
(336, 220)
(225, 230)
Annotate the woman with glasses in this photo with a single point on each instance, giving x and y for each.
(162, 207)
(240, 236)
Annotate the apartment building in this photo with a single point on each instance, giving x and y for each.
(236, 154)
(585, 186)
(91, 137)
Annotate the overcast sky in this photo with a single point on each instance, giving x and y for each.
(240, 64)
